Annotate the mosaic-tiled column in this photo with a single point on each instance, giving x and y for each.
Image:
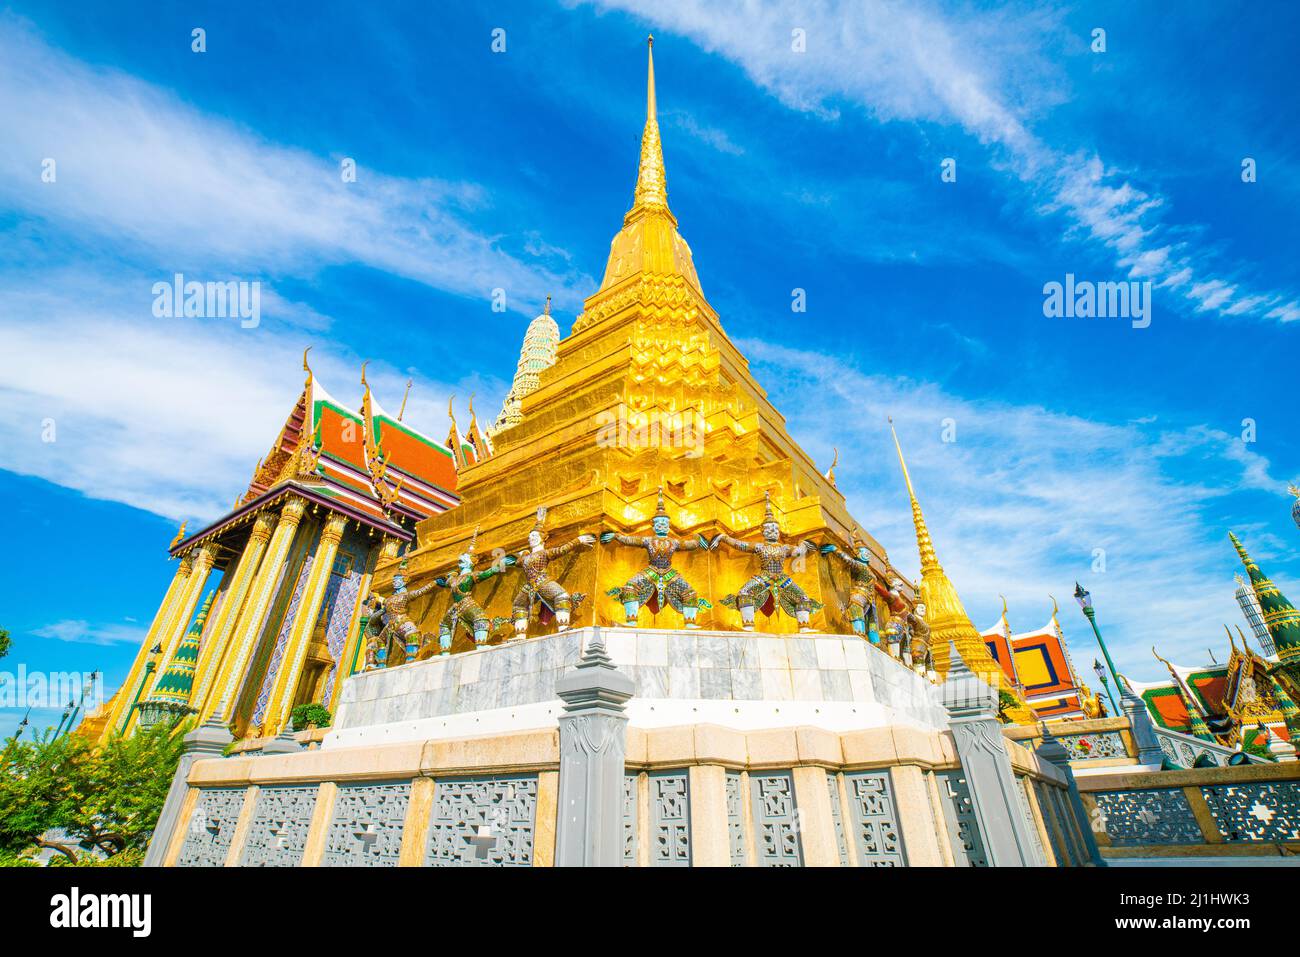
(260, 593)
(130, 687)
(170, 635)
(593, 747)
(215, 646)
(304, 622)
(986, 767)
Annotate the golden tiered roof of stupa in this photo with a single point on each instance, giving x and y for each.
(646, 391)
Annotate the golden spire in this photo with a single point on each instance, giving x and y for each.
(651, 183)
(648, 245)
(949, 623)
(306, 368)
(929, 561)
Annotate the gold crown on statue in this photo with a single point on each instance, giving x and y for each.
(660, 511)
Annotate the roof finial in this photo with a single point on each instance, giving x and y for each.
(546, 310)
(402, 410)
(1231, 640)
(306, 368)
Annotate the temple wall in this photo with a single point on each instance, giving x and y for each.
(739, 680)
(698, 795)
(830, 770)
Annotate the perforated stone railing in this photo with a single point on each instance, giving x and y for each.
(1243, 810)
(1109, 741)
(1185, 750)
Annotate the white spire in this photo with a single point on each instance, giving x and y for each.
(537, 354)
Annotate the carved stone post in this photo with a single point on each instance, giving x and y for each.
(1144, 731)
(972, 714)
(1053, 752)
(593, 745)
(206, 741)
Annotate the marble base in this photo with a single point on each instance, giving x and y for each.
(742, 680)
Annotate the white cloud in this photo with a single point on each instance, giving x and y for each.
(991, 73)
(132, 421)
(1020, 501)
(82, 632)
(148, 175)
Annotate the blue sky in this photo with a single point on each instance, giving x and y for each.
(817, 170)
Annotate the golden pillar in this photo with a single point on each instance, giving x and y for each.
(173, 630)
(249, 622)
(126, 694)
(304, 623)
(213, 652)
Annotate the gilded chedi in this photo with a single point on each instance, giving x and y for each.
(648, 409)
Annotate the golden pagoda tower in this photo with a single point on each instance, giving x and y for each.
(646, 391)
(946, 616)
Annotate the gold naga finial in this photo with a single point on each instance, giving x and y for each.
(306, 368)
(363, 373)
(1004, 607)
(402, 411)
(830, 473)
(1293, 489)
(180, 534)
(1173, 673)
(1231, 640)
(453, 436)
(928, 558)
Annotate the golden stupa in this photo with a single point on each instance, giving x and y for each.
(646, 391)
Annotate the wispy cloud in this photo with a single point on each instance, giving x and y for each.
(1026, 500)
(152, 177)
(84, 633)
(108, 404)
(712, 136)
(989, 73)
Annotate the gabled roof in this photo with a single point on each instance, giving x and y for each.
(1038, 662)
(367, 463)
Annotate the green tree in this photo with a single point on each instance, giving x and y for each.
(5, 642)
(107, 799)
(308, 714)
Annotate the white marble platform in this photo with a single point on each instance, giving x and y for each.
(746, 681)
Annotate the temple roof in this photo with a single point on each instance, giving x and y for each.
(367, 464)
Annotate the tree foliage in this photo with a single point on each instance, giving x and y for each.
(5, 642)
(104, 799)
(310, 713)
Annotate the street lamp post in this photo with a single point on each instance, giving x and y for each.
(1082, 596)
(1105, 683)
